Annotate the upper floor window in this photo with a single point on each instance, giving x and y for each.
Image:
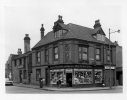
(38, 57)
(109, 53)
(83, 53)
(100, 37)
(55, 53)
(59, 33)
(46, 55)
(98, 54)
(67, 52)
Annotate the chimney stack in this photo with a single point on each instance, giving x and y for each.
(26, 43)
(42, 31)
(97, 24)
(60, 20)
(19, 51)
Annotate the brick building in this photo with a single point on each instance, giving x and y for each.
(119, 66)
(8, 67)
(22, 64)
(74, 54)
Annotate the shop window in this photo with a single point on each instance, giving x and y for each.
(38, 57)
(46, 55)
(98, 54)
(98, 75)
(55, 76)
(38, 74)
(55, 53)
(83, 76)
(83, 53)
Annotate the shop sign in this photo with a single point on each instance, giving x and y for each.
(68, 70)
(108, 67)
(82, 69)
(56, 70)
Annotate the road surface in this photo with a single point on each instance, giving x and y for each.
(24, 90)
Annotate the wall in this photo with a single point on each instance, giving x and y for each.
(73, 44)
(119, 56)
(33, 74)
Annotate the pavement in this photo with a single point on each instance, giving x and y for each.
(64, 89)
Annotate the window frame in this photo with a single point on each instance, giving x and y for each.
(109, 55)
(38, 56)
(55, 53)
(46, 55)
(81, 52)
(98, 54)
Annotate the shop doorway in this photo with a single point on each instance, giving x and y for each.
(69, 79)
(20, 76)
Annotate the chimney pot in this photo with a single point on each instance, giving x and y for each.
(97, 24)
(42, 31)
(27, 35)
(19, 51)
(26, 43)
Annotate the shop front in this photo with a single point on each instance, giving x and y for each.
(76, 77)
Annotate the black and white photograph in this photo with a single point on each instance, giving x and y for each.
(62, 47)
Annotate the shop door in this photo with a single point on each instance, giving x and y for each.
(20, 76)
(69, 79)
(108, 76)
(47, 74)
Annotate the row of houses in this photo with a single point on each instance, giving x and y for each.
(76, 55)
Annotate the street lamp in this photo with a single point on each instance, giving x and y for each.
(110, 54)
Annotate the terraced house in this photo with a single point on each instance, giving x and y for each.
(78, 56)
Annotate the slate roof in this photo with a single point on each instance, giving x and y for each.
(75, 32)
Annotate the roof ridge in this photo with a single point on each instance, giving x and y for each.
(80, 26)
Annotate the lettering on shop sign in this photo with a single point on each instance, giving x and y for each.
(68, 70)
(108, 67)
(56, 70)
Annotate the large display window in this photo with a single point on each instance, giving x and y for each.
(56, 75)
(98, 75)
(83, 76)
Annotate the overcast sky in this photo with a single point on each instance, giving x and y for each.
(26, 16)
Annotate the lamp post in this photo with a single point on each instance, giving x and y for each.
(110, 54)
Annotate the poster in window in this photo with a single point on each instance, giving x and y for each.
(98, 76)
(83, 77)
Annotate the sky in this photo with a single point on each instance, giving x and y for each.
(26, 17)
(20, 17)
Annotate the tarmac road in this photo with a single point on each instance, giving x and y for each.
(24, 90)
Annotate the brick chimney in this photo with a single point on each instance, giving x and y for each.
(26, 43)
(60, 20)
(19, 51)
(42, 31)
(97, 24)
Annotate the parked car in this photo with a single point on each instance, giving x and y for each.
(8, 82)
